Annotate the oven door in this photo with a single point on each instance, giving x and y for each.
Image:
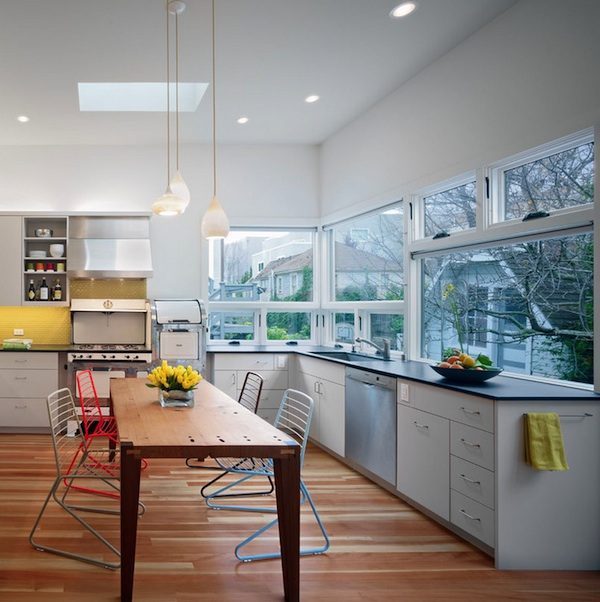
(179, 345)
(101, 376)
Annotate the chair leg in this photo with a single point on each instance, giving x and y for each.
(219, 493)
(188, 460)
(85, 524)
(303, 552)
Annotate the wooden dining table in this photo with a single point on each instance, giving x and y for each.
(217, 426)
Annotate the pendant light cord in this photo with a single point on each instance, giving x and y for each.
(177, 86)
(214, 106)
(168, 104)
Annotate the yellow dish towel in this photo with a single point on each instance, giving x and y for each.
(544, 448)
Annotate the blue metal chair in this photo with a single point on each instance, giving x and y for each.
(293, 417)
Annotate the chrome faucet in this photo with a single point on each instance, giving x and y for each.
(384, 351)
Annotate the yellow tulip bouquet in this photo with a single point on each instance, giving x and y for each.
(178, 378)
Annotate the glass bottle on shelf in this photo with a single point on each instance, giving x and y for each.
(57, 291)
(44, 290)
(31, 291)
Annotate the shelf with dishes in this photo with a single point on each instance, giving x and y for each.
(45, 240)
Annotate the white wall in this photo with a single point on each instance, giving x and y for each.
(257, 184)
(529, 76)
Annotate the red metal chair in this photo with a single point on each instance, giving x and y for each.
(95, 424)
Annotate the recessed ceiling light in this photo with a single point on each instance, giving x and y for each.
(403, 10)
(23, 118)
(242, 120)
(311, 98)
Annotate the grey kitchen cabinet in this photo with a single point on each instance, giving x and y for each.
(10, 245)
(26, 379)
(229, 371)
(325, 382)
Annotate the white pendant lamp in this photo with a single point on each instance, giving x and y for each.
(169, 203)
(178, 185)
(214, 223)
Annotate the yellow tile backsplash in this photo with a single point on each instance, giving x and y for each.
(52, 325)
(108, 288)
(44, 325)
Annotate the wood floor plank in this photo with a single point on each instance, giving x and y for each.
(381, 548)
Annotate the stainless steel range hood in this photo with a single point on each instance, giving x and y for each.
(109, 247)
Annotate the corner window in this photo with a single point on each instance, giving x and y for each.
(367, 256)
(259, 266)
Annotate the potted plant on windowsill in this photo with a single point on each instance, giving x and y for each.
(175, 384)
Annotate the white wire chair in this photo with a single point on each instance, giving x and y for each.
(293, 417)
(76, 462)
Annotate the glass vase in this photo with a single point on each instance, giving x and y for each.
(176, 398)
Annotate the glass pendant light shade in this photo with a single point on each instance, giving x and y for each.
(215, 223)
(168, 204)
(179, 188)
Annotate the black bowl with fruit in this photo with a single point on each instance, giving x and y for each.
(462, 367)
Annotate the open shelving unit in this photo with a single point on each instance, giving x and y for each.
(51, 268)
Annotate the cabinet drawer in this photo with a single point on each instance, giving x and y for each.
(270, 398)
(472, 444)
(472, 517)
(23, 413)
(335, 373)
(468, 409)
(272, 379)
(423, 471)
(243, 361)
(23, 384)
(473, 481)
(27, 360)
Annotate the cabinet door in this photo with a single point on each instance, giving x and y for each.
(309, 384)
(423, 459)
(10, 249)
(226, 381)
(331, 416)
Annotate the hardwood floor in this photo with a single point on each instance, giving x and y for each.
(381, 549)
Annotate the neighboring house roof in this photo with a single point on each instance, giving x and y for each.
(347, 259)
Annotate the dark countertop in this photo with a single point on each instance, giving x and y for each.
(499, 388)
(54, 348)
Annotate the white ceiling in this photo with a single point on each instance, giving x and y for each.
(270, 55)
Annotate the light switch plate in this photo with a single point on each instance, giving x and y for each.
(404, 392)
(18, 332)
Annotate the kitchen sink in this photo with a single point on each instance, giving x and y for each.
(346, 356)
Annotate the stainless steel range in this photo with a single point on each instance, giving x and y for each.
(111, 337)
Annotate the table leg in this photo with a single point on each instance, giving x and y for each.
(287, 488)
(130, 494)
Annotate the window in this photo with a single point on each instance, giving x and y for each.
(530, 302)
(344, 328)
(387, 326)
(559, 180)
(229, 326)
(257, 266)
(288, 326)
(450, 210)
(369, 267)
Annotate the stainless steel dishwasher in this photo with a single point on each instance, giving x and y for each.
(371, 422)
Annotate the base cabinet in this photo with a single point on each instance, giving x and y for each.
(230, 369)
(324, 382)
(26, 379)
(423, 459)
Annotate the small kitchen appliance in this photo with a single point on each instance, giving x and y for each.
(179, 332)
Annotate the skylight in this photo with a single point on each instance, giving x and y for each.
(138, 96)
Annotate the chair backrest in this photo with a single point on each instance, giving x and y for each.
(88, 398)
(250, 393)
(61, 411)
(295, 416)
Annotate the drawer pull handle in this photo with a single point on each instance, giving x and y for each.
(471, 412)
(20, 378)
(469, 516)
(462, 476)
(20, 361)
(470, 444)
(420, 426)
(22, 407)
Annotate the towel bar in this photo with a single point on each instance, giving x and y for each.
(584, 415)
